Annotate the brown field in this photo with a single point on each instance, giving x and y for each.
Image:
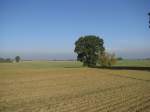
(71, 89)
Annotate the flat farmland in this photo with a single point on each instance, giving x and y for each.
(69, 87)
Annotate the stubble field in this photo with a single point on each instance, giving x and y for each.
(69, 87)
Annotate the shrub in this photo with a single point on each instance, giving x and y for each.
(107, 59)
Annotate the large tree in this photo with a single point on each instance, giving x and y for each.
(17, 58)
(88, 48)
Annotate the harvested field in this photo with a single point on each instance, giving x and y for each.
(28, 87)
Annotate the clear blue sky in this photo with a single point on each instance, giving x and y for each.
(47, 29)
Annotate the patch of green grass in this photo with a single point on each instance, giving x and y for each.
(41, 64)
(133, 63)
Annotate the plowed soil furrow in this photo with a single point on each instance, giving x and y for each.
(140, 105)
(113, 104)
(74, 90)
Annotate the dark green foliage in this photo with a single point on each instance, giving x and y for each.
(149, 19)
(17, 58)
(119, 58)
(88, 47)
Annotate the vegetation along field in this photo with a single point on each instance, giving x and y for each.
(68, 87)
(133, 63)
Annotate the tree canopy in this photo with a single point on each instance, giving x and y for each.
(149, 19)
(17, 58)
(88, 48)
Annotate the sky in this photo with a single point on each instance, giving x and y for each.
(48, 29)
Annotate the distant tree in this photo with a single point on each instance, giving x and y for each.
(17, 58)
(9, 60)
(2, 59)
(88, 48)
(119, 58)
(107, 59)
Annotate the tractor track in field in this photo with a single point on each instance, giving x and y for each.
(111, 104)
(123, 76)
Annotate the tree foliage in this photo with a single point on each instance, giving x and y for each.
(17, 58)
(119, 58)
(88, 48)
(149, 19)
(107, 59)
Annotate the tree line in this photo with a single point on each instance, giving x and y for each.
(9, 60)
